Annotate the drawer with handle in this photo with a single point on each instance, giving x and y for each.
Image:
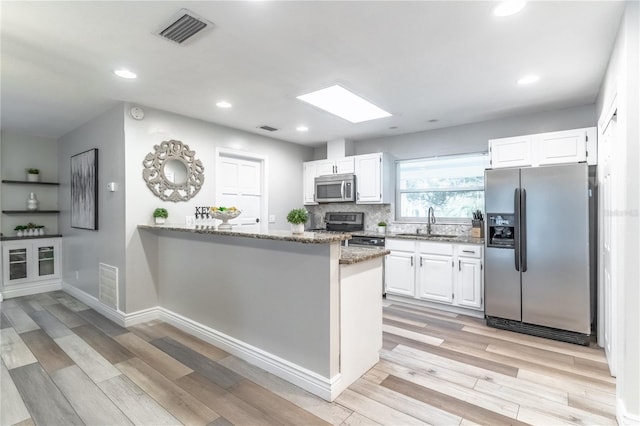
(470, 251)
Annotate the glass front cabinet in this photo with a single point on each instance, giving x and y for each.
(30, 261)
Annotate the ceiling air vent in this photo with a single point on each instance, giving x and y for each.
(268, 128)
(184, 25)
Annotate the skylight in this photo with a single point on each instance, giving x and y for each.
(339, 101)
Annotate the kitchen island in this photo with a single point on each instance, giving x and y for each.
(297, 305)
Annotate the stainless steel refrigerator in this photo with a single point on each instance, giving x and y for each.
(537, 268)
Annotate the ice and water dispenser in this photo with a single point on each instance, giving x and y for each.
(502, 230)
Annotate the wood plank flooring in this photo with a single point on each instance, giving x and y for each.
(62, 363)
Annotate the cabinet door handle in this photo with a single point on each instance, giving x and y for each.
(469, 251)
(459, 265)
(421, 261)
(411, 260)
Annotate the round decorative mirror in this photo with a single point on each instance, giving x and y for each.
(172, 172)
(175, 171)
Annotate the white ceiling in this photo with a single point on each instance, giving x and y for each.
(421, 60)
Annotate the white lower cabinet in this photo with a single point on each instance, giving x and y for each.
(445, 273)
(400, 273)
(29, 265)
(470, 277)
(435, 278)
(435, 272)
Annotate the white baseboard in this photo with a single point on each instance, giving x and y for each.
(114, 315)
(434, 305)
(623, 417)
(326, 388)
(27, 289)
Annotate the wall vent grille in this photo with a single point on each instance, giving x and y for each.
(184, 25)
(268, 128)
(108, 285)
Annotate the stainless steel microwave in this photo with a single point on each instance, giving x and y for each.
(335, 188)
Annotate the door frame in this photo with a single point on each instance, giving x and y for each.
(264, 187)
(617, 326)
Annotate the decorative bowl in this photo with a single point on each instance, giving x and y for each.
(225, 216)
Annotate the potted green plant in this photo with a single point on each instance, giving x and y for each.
(33, 175)
(20, 230)
(160, 215)
(382, 227)
(297, 218)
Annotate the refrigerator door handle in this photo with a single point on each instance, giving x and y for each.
(523, 230)
(516, 245)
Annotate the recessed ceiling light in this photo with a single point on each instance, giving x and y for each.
(528, 79)
(509, 7)
(302, 128)
(124, 73)
(223, 104)
(433, 120)
(339, 101)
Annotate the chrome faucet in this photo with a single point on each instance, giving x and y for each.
(431, 219)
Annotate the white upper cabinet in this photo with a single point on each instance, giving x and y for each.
(309, 173)
(375, 176)
(335, 166)
(510, 152)
(374, 179)
(568, 146)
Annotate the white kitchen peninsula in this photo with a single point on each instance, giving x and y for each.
(299, 306)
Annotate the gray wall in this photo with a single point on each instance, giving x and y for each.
(474, 137)
(284, 162)
(251, 289)
(83, 250)
(20, 152)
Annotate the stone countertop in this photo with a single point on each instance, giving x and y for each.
(464, 239)
(351, 254)
(306, 237)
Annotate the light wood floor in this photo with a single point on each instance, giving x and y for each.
(64, 364)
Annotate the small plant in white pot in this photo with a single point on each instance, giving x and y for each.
(160, 215)
(33, 175)
(297, 218)
(382, 227)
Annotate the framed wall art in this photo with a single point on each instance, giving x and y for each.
(84, 190)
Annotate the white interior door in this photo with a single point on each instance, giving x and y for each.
(607, 279)
(240, 184)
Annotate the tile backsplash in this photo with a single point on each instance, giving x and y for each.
(374, 213)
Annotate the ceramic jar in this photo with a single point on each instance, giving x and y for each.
(32, 202)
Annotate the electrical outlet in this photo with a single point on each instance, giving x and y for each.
(77, 275)
(272, 218)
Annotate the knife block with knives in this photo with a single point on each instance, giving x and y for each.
(477, 230)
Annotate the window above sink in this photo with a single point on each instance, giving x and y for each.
(452, 185)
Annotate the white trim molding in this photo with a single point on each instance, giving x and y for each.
(116, 316)
(324, 387)
(623, 417)
(31, 288)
